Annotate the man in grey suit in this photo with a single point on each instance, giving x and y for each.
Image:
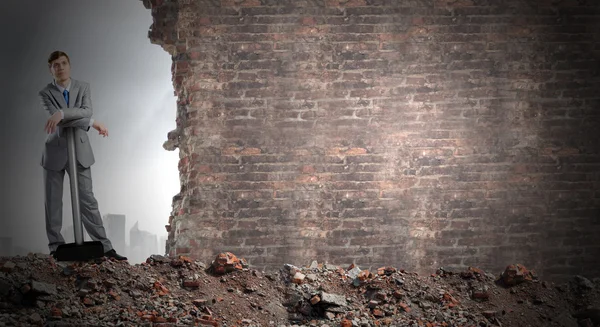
(69, 104)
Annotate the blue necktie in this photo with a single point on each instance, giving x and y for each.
(66, 95)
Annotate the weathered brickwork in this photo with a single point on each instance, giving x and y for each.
(413, 133)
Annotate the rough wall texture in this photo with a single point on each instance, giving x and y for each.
(413, 133)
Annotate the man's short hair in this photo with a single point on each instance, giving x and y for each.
(57, 54)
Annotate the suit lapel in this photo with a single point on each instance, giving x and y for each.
(73, 92)
(55, 92)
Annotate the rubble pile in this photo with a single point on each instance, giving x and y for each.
(35, 290)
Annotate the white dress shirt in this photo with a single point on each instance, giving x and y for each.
(62, 89)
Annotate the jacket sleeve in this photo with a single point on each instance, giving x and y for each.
(84, 123)
(85, 111)
(63, 117)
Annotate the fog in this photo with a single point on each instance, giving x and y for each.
(131, 93)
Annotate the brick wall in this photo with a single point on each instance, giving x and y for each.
(414, 133)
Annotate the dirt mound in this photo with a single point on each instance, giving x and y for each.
(35, 290)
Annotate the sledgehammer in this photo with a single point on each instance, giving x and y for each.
(80, 250)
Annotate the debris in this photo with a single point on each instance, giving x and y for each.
(298, 278)
(333, 299)
(173, 291)
(226, 263)
(516, 274)
(8, 266)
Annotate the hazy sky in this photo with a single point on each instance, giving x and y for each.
(131, 92)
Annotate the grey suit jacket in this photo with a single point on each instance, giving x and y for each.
(77, 114)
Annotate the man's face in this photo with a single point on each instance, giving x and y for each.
(60, 69)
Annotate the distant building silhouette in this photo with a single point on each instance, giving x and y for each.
(114, 224)
(142, 244)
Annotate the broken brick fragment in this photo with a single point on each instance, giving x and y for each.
(207, 321)
(298, 278)
(449, 297)
(147, 317)
(477, 271)
(160, 288)
(378, 313)
(387, 271)
(404, 306)
(227, 262)
(364, 275)
(191, 283)
(56, 312)
(516, 274)
(315, 299)
(185, 259)
(480, 295)
(114, 295)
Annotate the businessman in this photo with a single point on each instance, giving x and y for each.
(68, 103)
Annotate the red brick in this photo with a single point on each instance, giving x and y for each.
(337, 100)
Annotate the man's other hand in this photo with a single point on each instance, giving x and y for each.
(102, 130)
(52, 122)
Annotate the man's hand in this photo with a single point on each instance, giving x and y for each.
(102, 130)
(52, 122)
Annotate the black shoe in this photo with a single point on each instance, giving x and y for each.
(113, 254)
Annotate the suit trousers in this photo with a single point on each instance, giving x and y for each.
(90, 215)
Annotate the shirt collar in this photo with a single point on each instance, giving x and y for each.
(62, 89)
